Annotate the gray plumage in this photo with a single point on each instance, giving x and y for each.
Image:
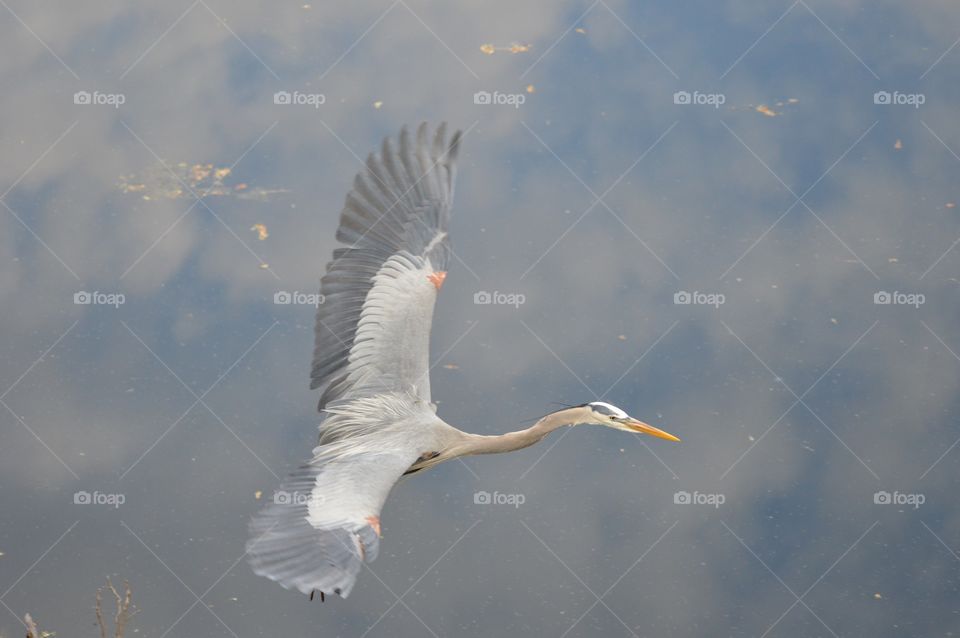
(395, 224)
(371, 364)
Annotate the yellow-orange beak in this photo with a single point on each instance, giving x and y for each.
(640, 426)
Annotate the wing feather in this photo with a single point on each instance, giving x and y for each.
(394, 222)
(323, 523)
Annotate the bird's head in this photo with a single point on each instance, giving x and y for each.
(613, 417)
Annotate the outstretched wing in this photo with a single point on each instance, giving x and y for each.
(371, 361)
(372, 330)
(324, 522)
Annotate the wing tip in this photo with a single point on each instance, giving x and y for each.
(440, 149)
(289, 551)
(454, 149)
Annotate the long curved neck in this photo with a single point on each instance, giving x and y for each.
(480, 444)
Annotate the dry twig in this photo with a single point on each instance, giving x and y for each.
(124, 609)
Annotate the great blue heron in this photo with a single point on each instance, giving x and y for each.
(371, 362)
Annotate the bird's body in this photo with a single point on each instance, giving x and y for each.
(371, 364)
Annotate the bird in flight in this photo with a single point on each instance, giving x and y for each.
(371, 364)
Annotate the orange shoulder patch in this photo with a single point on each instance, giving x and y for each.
(436, 278)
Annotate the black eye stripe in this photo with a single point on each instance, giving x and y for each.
(602, 409)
